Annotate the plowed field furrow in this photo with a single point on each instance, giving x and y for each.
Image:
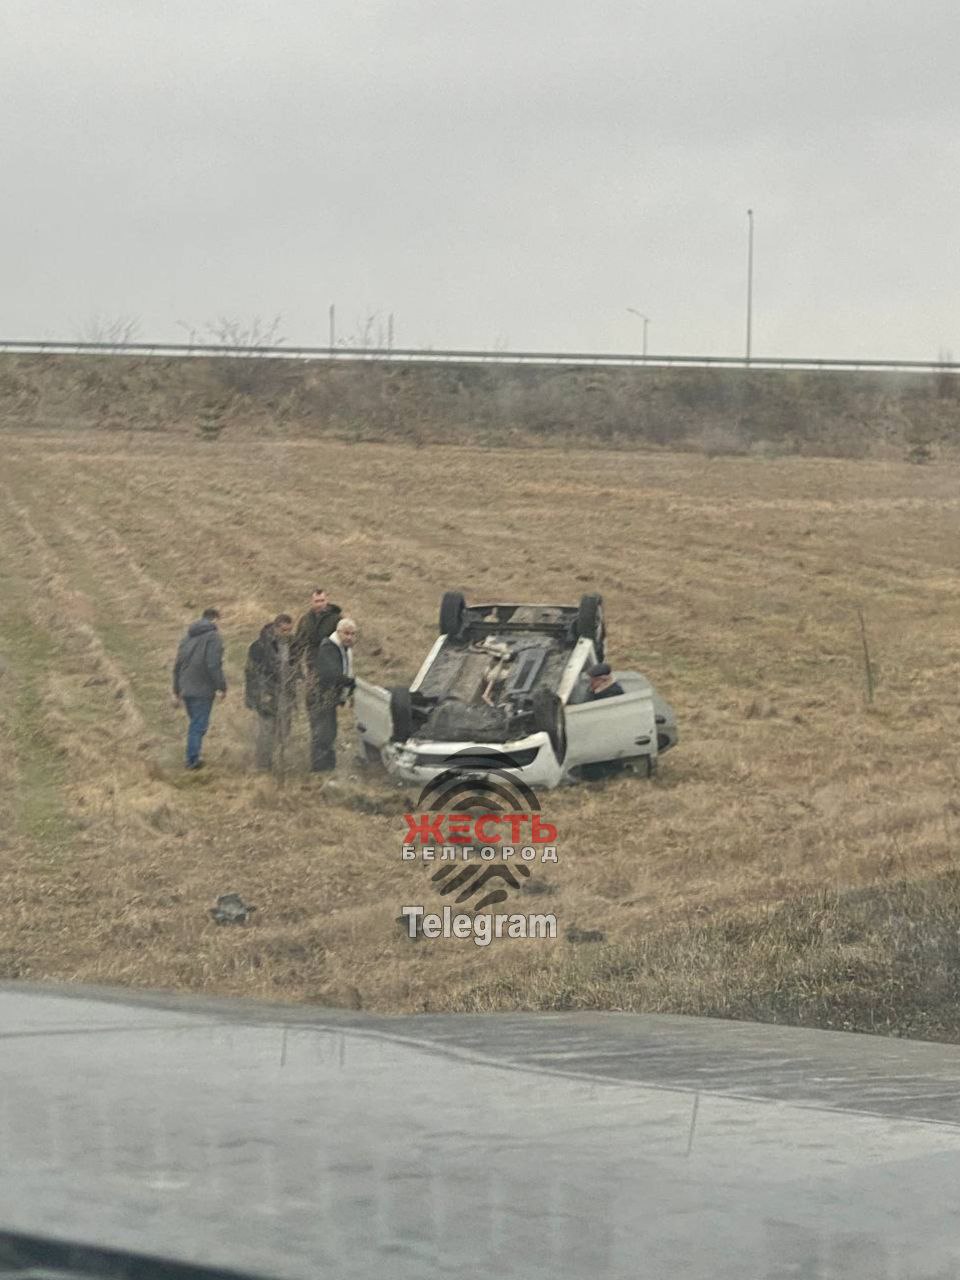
(61, 701)
(31, 772)
(734, 584)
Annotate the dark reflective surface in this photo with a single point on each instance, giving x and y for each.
(307, 1144)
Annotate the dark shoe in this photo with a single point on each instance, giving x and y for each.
(197, 764)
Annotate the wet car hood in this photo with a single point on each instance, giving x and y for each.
(301, 1143)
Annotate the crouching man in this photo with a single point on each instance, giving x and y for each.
(270, 687)
(330, 684)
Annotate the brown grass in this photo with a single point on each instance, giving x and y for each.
(728, 412)
(734, 583)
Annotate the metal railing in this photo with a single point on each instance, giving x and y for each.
(420, 355)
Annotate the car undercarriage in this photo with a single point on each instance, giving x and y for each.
(514, 680)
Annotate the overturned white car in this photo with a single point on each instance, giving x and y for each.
(507, 686)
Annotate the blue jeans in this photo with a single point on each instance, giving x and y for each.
(198, 709)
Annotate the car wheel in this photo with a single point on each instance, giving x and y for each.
(401, 714)
(549, 718)
(590, 624)
(452, 608)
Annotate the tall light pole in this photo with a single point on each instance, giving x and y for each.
(646, 320)
(749, 281)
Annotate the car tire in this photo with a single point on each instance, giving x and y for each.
(590, 623)
(401, 715)
(549, 718)
(452, 608)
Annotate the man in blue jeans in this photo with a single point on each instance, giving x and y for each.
(198, 678)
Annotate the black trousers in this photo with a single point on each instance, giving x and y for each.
(323, 736)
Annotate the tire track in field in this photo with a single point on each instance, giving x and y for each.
(71, 605)
(359, 555)
(89, 714)
(64, 689)
(120, 511)
(359, 536)
(170, 534)
(16, 693)
(241, 573)
(142, 635)
(128, 627)
(139, 635)
(247, 595)
(246, 520)
(141, 641)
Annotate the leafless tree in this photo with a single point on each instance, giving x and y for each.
(245, 344)
(114, 332)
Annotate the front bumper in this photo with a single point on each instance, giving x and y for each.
(533, 760)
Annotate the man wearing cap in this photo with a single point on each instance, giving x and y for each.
(602, 683)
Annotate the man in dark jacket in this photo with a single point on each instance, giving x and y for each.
(270, 685)
(329, 686)
(197, 678)
(319, 622)
(602, 683)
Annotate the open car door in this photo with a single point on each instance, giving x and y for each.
(371, 707)
(613, 728)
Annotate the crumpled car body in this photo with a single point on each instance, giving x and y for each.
(505, 687)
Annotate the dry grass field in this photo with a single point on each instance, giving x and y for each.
(794, 859)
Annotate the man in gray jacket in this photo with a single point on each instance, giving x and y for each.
(197, 678)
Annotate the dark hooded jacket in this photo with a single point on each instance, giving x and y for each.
(198, 670)
(264, 675)
(312, 630)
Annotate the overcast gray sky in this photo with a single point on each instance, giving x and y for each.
(494, 173)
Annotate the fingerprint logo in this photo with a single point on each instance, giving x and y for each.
(479, 782)
(475, 780)
(472, 880)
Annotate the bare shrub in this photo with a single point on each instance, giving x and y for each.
(721, 442)
(372, 333)
(211, 420)
(246, 368)
(115, 332)
(920, 453)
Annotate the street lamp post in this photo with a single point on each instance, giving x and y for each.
(749, 282)
(646, 320)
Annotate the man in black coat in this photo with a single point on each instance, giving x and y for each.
(329, 685)
(319, 622)
(602, 683)
(270, 686)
